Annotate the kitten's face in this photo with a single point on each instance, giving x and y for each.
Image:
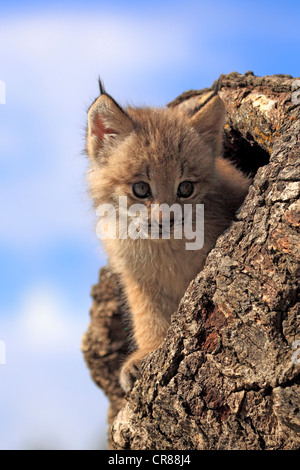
(160, 158)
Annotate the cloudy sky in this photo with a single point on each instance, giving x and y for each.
(50, 59)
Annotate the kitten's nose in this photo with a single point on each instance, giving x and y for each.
(170, 222)
(161, 221)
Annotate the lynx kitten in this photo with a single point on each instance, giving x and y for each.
(153, 157)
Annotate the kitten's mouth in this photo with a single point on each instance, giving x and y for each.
(162, 229)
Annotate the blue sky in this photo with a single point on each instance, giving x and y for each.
(50, 58)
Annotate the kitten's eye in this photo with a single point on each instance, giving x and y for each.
(185, 189)
(141, 189)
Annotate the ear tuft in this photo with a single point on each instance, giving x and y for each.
(101, 87)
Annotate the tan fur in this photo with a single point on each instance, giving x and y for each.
(162, 147)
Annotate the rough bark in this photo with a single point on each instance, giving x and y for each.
(227, 375)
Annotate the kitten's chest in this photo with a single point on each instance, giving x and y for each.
(165, 268)
(170, 268)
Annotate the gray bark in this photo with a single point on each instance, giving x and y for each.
(227, 375)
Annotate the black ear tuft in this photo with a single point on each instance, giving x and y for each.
(101, 87)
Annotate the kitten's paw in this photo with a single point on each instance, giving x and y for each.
(130, 372)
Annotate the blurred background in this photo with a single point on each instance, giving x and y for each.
(51, 54)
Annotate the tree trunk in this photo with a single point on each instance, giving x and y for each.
(227, 375)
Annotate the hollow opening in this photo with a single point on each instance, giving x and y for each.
(246, 153)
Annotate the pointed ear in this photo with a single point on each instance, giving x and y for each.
(209, 122)
(107, 123)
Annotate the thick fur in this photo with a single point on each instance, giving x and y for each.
(162, 147)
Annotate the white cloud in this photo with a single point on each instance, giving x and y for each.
(47, 397)
(44, 322)
(63, 51)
